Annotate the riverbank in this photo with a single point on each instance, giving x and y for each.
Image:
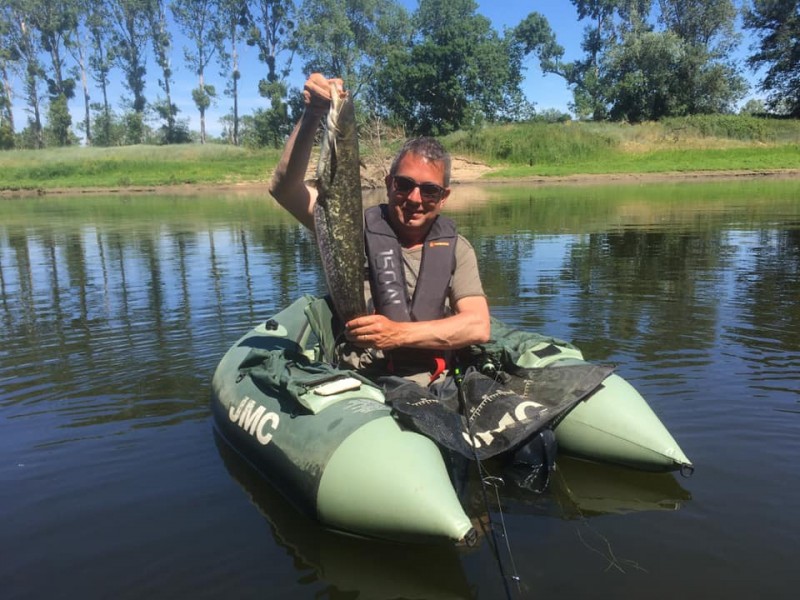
(465, 172)
(534, 153)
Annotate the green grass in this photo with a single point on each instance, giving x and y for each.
(133, 166)
(702, 143)
(665, 161)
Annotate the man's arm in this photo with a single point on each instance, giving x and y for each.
(288, 185)
(469, 325)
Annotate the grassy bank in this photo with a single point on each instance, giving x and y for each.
(133, 166)
(715, 143)
(705, 143)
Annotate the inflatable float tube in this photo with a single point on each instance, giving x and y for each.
(345, 461)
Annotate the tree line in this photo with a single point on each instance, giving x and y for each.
(437, 69)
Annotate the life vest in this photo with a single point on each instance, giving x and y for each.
(388, 282)
(387, 275)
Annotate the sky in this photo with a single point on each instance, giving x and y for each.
(545, 91)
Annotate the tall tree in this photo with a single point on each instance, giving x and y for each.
(271, 26)
(80, 49)
(348, 38)
(638, 77)
(8, 57)
(101, 60)
(533, 35)
(200, 21)
(162, 49)
(608, 22)
(633, 71)
(234, 20)
(56, 23)
(710, 79)
(24, 48)
(129, 42)
(271, 29)
(456, 71)
(777, 23)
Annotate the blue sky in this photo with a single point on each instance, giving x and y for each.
(545, 91)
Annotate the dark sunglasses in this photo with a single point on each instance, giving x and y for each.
(429, 192)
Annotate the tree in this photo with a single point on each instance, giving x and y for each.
(109, 129)
(55, 23)
(80, 50)
(162, 48)
(200, 22)
(632, 70)
(609, 20)
(710, 80)
(754, 106)
(639, 77)
(24, 49)
(59, 122)
(270, 29)
(456, 72)
(129, 43)
(101, 61)
(8, 56)
(777, 23)
(234, 19)
(533, 35)
(348, 38)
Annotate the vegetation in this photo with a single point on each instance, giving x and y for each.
(132, 166)
(712, 143)
(778, 24)
(438, 69)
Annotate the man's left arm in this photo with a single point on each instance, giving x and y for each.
(469, 325)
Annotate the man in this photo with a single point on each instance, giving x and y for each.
(417, 189)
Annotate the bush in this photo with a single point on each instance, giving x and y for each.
(6, 137)
(535, 143)
(735, 127)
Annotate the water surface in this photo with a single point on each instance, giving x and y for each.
(115, 310)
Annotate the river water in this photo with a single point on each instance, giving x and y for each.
(115, 310)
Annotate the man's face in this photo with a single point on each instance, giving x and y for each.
(416, 195)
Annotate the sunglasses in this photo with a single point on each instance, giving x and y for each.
(429, 192)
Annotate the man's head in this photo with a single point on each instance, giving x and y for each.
(428, 148)
(417, 187)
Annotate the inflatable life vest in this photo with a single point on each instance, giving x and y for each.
(387, 276)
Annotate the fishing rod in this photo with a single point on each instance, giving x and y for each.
(485, 480)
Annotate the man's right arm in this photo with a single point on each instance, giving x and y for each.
(288, 184)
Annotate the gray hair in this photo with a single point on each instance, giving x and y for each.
(428, 148)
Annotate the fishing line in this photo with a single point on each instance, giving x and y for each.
(486, 480)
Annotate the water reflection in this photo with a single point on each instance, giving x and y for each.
(350, 566)
(115, 311)
(100, 284)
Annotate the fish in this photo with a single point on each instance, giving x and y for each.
(338, 212)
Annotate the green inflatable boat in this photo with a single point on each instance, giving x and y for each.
(329, 443)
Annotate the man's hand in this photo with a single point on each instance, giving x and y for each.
(470, 325)
(317, 92)
(375, 331)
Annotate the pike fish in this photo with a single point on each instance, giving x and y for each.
(338, 213)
